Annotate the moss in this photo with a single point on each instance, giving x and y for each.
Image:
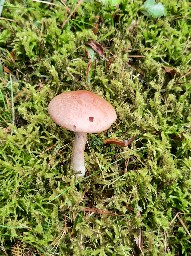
(140, 193)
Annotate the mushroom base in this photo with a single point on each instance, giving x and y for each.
(78, 154)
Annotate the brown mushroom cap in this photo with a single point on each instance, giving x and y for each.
(82, 111)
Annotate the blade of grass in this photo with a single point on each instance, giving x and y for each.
(10, 85)
(3, 99)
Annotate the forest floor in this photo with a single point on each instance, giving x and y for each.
(134, 200)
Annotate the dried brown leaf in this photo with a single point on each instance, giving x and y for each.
(96, 28)
(99, 211)
(96, 47)
(6, 70)
(170, 70)
(121, 143)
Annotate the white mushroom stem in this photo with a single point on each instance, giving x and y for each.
(78, 153)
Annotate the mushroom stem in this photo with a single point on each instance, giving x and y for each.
(78, 153)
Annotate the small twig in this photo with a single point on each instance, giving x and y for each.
(184, 226)
(12, 102)
(174, 218)
(136, 56)
(181, 221)
(187, 74)
(75, 8)
(44, 2)
(2, 18)
(139, 241)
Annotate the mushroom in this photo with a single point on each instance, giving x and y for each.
(81, 112)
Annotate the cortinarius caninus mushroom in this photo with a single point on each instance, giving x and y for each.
(81, 112)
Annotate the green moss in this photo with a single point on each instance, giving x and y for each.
(137, 193)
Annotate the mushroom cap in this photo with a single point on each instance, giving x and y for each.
(82, 111)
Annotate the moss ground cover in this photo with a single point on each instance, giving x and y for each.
(135, 200)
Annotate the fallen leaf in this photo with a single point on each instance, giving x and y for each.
(96, 47)
(6, 70)
(109, 62)
(96, 28)
(170, 70)
(99, 211)
(121, 143)
(12, 56)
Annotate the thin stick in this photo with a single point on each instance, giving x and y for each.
(75, 8)
(184, 226)
(188, 73)
(136, 56)
(12, 104)
(174, 218)
(44, 2)
(2, 18)
(181, 221)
